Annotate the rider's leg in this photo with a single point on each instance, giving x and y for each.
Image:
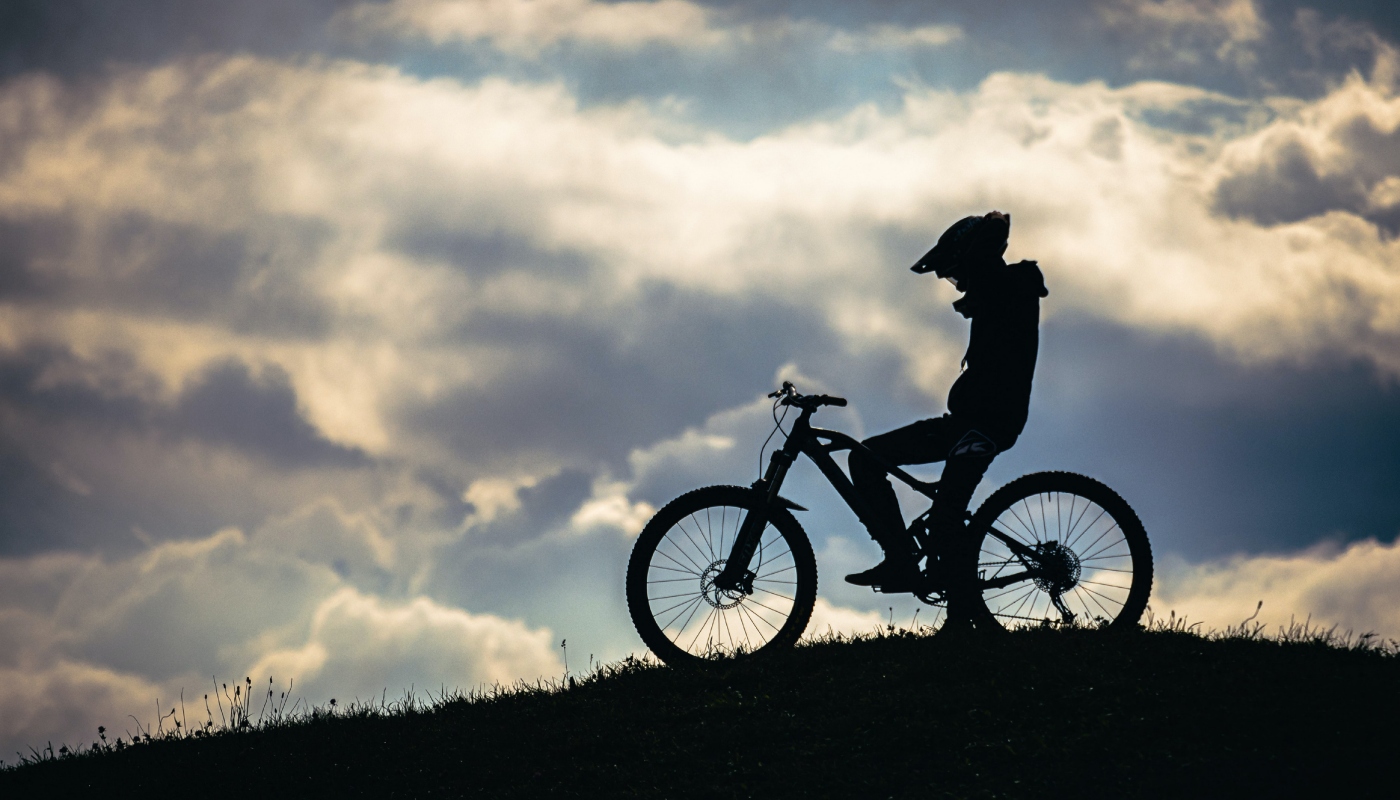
(966, 463)
(923, 442)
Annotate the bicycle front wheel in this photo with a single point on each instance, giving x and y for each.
(675, 606)
(1089, 564)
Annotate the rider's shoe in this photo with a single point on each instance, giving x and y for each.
(891, 575)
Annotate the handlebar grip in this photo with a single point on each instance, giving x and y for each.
(834, 401)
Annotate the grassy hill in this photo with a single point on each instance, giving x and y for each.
(1030, 714)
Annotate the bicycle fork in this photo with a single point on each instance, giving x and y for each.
(736, 575)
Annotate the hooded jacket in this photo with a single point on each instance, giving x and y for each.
(994, 390)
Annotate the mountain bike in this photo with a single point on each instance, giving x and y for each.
(728, 569)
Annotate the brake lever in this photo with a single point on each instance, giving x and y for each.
(786, 391)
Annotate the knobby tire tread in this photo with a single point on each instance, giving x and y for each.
(1084, 486)
(696, 500)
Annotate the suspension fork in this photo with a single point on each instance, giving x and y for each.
(736, 573)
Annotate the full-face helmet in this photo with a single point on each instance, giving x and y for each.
(968, 243)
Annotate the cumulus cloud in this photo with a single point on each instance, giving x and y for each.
(360, 644)
(1342, 153)
(528, 27)
(1120, 213)
(833, 619)
(1352, 587)
(87, 640)
(367, 375)
(1185, 32)
(66, 703)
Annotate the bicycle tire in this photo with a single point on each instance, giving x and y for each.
(1105, 551)
(694, 555)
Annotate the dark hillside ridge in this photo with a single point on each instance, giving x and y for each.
(1027, 714)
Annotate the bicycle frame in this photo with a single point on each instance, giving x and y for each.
(803, 439)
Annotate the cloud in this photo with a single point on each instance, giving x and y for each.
(893, 37)
(87, 641)
(1338, 154)
(1186, 32)
(1354, 588)
(66, 703)
(362, 151)
(525, 27)
(828, 619)
(85, 36)
(359, 645)
(226, 403)
(305, 356)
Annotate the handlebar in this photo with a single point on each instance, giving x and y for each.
(809, 402)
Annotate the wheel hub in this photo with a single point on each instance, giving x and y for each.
(1059, 568)
(715, 596)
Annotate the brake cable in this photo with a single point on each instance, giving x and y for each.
(777, 426)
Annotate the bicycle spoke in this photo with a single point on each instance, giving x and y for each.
(706, 533)
(1106, 585)
(1074, 524)
(1110, 529)
(1090, 526)
(1127, 555)
(1005, 530)
(1100, 594)
(770, 608)
(1030, 596)
(728, 631)
(775, 558)
(672, 596)
(1020, 597)
(697, 596)
(1102, 557)
(689, 572)
(709, 529)
(698, 569)
(753, 614)
(1108, 614)
(1088, 613)
(765, 575)
(1058, 525)
(1030, 515)
(775, 594)
(680, 613)
(1106, 547)
(1013, 588)
(1029, 529)
(700, 630)
(744, 626)
(681, 526)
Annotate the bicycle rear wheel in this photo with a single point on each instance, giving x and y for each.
(1092, 562)
(671, 596)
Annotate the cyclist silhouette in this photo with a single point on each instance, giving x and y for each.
(987, 405)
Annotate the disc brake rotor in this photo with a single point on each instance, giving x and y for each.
(715, 596)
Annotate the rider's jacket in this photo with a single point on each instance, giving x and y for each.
(994, 390)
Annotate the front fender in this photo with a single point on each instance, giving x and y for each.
(788, 504)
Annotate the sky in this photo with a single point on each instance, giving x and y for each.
(352, 343)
